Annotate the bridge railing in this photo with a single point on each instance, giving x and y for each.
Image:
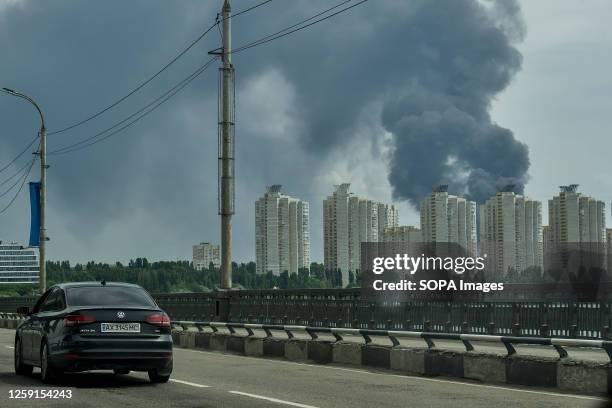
(395, 336)
(345, 308)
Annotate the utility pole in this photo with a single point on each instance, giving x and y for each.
(43, 186)
(43, 204)
(226, 148)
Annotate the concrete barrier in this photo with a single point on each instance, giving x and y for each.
(376, 356)
(524, 370)
(583, 376)
(484, 367)
(347, 353)
(253, 346)
(565, 374)
(274, 347)
(202, 340)
(236, 344)
(446, 363)
(218, 341)
(187, 339)
(320, 352)
(409, 360)
(296, 350)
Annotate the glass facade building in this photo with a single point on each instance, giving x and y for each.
(18, 264)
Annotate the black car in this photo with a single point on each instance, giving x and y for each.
(94, 326)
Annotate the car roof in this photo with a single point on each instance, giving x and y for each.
(94, 283)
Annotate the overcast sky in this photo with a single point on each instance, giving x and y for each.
(334, 103)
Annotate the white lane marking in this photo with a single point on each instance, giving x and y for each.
(11, 347)
(495, 387)
(189, 383)
(278, 401)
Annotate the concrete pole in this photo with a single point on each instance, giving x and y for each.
(227, 151)
(43, 205)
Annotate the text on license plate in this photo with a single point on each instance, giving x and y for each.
(120, 328)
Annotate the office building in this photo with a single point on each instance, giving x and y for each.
(204, 254)
(18, 264)
(282, 232)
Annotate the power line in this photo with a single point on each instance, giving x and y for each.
(139, 87)
(19, 155)
(290, 30)
(248, 9)
(151, 78)
(164, 97)
(155, 104)
(15, 183)
(15, 175)
(25, 178)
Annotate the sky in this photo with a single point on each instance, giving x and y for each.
(392, 97)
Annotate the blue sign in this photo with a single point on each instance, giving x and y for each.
(35, 211)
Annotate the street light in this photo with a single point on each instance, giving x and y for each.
(43, 184)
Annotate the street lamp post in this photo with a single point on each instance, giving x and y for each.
(43, 186)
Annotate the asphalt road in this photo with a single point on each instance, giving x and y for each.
(209, 379)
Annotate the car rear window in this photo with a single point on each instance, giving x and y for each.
(108, 296)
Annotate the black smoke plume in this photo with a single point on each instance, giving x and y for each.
(439, 116)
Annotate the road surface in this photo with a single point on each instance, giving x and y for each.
(209, 379)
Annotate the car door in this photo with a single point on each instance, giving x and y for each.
(26, 330)
(40, 322)
(50, 319)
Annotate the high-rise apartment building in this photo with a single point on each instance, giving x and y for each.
(511, 233)
(204, 254)
(347, 222)
(282, 232)
(448, 219)
(577, 226)
(574, 218)
(388, 217)
(609, 250)
(405, 234)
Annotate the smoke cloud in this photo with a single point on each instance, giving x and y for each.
(434, 68)
(439, 117)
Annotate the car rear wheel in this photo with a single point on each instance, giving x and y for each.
(161, 375)
(121, 372)
(156, 377)
(48, 373)
(20, 367)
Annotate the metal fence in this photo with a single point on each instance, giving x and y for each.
(344, 308)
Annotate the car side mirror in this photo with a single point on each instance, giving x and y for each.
(24, 310)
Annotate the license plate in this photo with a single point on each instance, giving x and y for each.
(120, 328)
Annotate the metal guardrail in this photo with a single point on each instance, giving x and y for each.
(394, 335)
(11, 316)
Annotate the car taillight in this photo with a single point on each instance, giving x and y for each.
(75, 320)
(159, 320)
